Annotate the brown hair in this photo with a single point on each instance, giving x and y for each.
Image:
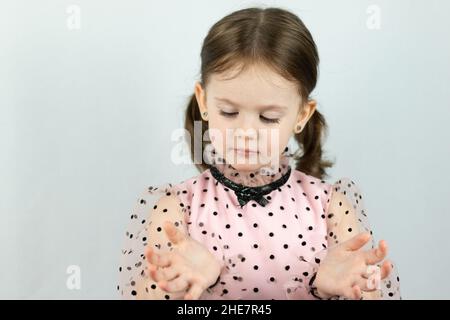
(280, 40)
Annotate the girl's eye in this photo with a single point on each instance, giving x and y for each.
(232, 114)
(228, 114)
(269, 120)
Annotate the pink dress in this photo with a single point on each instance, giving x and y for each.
(271, 236)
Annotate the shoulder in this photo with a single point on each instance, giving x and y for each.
(345, 193)
(338, 203)
(171, 195)
(345, 200)
(312, 187)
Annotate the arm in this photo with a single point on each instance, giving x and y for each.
(166, 209)
(153, 207)
(342, 225)
(346, 218)
(161, 261)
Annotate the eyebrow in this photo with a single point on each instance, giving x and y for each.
(267, 107)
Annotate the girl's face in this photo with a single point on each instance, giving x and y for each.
(252, 116)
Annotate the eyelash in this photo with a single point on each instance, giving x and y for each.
(264, 119)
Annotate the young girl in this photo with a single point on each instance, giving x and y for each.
(259, 221)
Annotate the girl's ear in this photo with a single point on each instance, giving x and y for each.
(306, 112)
(200, 96)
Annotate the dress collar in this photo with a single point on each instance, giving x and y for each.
(253, 185)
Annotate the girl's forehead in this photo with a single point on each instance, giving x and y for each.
(257, 85)
(255, 74)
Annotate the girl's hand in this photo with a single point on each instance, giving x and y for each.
(188, 265)
(345, 269)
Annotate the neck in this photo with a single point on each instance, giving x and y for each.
(264, 175)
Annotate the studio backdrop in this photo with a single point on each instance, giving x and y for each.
(91, 93)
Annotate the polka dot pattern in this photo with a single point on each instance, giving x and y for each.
(347, 217)
(269, 252)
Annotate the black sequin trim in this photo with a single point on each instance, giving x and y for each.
(246, 193)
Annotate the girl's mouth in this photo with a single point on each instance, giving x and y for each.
(245, 152)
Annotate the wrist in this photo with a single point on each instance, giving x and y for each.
(316, 289)
(215, 279)
(216, 282)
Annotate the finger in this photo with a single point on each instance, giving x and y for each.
(195, 291)
(368, 284)
(175, 285)
(357, 241)
(386, 269)
(347, 293)
(148, 254)
(377, 254)
(160, 260)
(161, 274)
(169, 273)
(173, 233)
(356, 290)
(155, 273)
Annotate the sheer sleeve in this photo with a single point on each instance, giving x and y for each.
(348, 218)
(153, 206)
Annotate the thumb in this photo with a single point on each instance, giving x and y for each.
(357, 241)
(174, 235)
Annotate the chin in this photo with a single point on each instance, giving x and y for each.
(245, 163)
(247, 167)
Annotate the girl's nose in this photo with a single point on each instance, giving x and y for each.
(246, 132)
(248, 126)
(246, 135)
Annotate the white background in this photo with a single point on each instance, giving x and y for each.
(86, 117)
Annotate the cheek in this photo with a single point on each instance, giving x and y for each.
(277, 141)
(286, 132)
(217, 135)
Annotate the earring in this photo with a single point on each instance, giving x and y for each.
(298, 128)
(205, 114)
